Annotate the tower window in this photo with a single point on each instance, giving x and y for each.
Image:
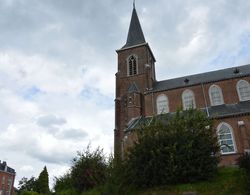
(215, 94)
(243, 89)
(162, 104)
(225, 138)
(132, 65)
(188, 100)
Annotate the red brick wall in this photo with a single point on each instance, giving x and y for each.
(4, 182)
(241, 134)
(228, 88)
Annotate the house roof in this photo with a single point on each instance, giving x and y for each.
(221, 111)
(207, 77)
(135, 33)
(3, 165)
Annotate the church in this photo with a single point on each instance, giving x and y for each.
(223, 94)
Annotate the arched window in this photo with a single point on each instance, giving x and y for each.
(132, 65)
(162, 104)
(215, 94)
(243, 89)
(226, 140)
(188, 99)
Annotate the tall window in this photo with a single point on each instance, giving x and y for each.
(132, 65)
(243, 89)
(215, 94)
(162, 104)
(225, 136)
(188, 99)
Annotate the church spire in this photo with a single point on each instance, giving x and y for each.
(135, 33)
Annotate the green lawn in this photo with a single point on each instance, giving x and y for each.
(229, 181)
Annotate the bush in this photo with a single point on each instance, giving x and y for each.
(89, 169)
(116, 183)
(25, 192)
(176, 149)
(63, 183)
(68, 192)
(244, 163)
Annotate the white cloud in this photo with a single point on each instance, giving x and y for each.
(27, 168)
(50, 120)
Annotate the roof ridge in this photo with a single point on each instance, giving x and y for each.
(202, 73)
(201, 78)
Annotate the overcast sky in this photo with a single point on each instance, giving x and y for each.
(58, 65)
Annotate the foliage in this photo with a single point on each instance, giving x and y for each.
(244, 162)
(115, 183)
(33, 185)
(88, 170)
(69, 191)
(27, 184)
(25, 192)
(63, 183)
(228, 181)
(43, 182)
(176, 149)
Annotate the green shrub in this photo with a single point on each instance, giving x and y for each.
(244, 163)
(176, 149)
(116, 181)
(68, 192)
(89, 169)
(25, 192)
(63, 183)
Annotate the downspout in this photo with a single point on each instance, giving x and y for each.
(203, 91)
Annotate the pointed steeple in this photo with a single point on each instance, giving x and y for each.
(135, 34)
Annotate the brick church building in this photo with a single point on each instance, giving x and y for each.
(223, 94)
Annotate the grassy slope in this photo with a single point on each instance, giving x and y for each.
(229, 181)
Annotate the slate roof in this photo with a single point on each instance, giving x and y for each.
(133, 88)
(9, 170)
(227, 110)
(221, 111)
(206, 77)
(135, 33)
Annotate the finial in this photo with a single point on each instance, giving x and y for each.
(134, 4)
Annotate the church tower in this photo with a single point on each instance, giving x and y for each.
(135, 76)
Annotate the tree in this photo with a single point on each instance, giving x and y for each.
(43, 182)
(173, 149)
(63, 182)
(27, 184)
(88, 169)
